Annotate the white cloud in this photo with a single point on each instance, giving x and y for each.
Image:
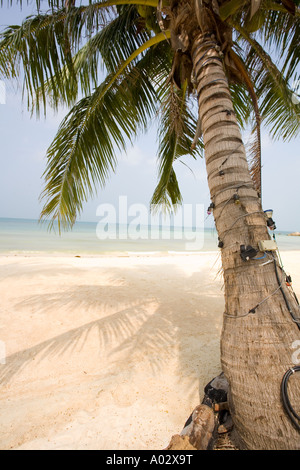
(134, 156)
(137, 156)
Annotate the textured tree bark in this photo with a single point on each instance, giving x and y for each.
(256, 347)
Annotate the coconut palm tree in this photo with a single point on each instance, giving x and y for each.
(118, 64)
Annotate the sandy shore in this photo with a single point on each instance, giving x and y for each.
(110, 352)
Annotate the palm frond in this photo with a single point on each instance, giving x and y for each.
(105, 50)
(51, 3)
(242, 104)
(255, 149)
(83, 153)
(281, 32)
(277, 109)
(245, 114)
(177, 130)
(120, 38)
(254, 158)
(40, 46)
(44, 45)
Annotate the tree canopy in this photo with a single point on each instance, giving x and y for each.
(120, 64)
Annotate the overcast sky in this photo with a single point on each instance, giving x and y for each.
(24, 142)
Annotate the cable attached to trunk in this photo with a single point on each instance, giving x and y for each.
(294, 417)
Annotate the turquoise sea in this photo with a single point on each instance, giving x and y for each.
(90, 238)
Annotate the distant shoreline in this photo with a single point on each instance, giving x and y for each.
(28, 237)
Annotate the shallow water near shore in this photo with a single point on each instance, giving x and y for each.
(29, 236)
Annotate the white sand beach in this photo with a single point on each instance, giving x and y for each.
(108, 352)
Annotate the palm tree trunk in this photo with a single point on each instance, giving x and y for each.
(256, 347)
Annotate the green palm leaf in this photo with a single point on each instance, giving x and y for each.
(45, 45)
(83, 153)
(93, 58)
(277, 109)
(281, 32)
(64, 54)
(177, 130)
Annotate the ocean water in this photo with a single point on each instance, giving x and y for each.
(90, 238)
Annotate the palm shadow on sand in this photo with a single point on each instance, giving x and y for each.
(131, 330)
